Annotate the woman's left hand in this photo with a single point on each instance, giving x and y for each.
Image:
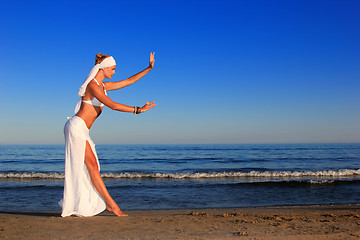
(152, 60)
(147, 106)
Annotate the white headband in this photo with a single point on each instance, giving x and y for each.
(107, 62)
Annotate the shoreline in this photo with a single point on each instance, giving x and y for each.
(281, 222)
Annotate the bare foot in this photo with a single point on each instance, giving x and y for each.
(113, 207)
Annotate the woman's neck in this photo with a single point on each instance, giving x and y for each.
(100, 76)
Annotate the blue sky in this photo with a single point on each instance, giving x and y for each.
(225, 72)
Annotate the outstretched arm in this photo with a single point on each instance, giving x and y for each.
(124, 83)
(100, 95)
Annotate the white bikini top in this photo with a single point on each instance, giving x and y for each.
(94, 101)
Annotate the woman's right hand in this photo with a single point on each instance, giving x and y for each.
(151, 60)
(147, 106)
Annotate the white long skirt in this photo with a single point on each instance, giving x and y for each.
(80, 196)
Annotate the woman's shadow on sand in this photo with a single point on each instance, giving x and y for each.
(39, 214)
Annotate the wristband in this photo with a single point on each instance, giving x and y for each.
(137, 110)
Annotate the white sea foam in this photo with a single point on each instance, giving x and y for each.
(240, 174)
(194, 175)
(321, 181)
(34, 175)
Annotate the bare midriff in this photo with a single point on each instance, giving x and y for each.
(89, 113)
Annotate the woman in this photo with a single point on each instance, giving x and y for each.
(85, 193)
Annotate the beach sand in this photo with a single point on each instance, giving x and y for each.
(296, 222)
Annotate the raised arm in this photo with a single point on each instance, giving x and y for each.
(124, 83)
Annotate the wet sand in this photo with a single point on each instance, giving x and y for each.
(296, 222)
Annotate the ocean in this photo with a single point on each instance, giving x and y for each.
(150, 177)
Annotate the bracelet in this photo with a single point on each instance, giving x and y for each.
(137, 110)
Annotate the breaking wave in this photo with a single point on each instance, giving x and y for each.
(194, 175)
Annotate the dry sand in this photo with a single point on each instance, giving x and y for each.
(298, 222)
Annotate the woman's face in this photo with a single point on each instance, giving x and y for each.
(108, 72)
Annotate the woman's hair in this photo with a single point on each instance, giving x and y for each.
(100, 57)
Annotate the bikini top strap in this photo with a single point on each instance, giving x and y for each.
(96, 81)
(99, 84)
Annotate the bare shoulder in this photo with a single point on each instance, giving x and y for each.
(91, 84)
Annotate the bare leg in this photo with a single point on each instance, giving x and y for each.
(92, 166)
